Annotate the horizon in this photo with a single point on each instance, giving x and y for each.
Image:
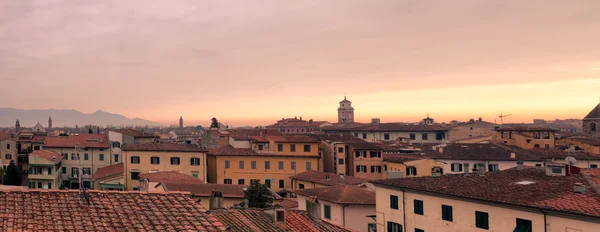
(253, 64)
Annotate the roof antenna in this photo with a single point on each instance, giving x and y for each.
(83, 194)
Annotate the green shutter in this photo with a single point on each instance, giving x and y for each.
(327, 211)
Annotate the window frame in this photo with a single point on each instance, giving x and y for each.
(177, 159)
(327, 211)
(157, 160)
(394, 202)
(447, 214)
(307, 148)
(482, 220)
(133, 158)
(192, 163)
(418, 207)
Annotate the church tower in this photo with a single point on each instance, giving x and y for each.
(345, 111)
(49, 122)
(591, 123)
(18, 126)
(180, 122)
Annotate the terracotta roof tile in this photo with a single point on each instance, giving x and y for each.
(595, 113)
(482, 151)
(321, 178)
(85, 141)
(341, 194)
(393, 126)
(338, 137)
(107, 171)
(164, 146)
(230, 150)
(546, 192)
(48, 155)
(403, 158)
(171, 177)
(228, 190)
(364, 146)
(293, 139)
(593, 142)
(289, 203)
(523, 127)
(7, 136)
(135, 133)
(61, 210)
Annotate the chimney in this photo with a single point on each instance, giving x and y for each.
(300, 117)
(481, 171)
(54, 158)
(513, 155)
(326, 176)
(246, 203)
(216, 200)
(466, 169)
(580, 188)
(441, 149)
(520, 165)
(342, 178)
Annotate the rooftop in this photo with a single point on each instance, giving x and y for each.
(171, 177)
(84, 140)
(402, 158)
(338, 137)
(109, 211)
(293, 139)
(107, 171)
(204, 190)
(251, 220)
(48, 155)
(321, 178)
(232, 151)
(364, 146)
(593, 142)
(524, 127)
(481, 151)
(545, 192)
(595, 113)
(164, 147)
(7, 136)
(341, 194)
(135, 133)
(391, 127)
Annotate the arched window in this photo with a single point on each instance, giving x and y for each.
(593, 126)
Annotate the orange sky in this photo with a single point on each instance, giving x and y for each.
(251, 63)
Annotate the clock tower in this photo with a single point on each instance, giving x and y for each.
(345, 111)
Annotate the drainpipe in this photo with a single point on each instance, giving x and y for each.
(404, 208)
(545, 226)
(344, 215)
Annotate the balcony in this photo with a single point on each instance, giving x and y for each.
(41, 177)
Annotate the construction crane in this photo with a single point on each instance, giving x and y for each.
(503, 116)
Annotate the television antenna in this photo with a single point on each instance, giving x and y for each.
(502, 116)
(570, 160)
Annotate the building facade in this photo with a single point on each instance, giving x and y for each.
(591, 123)
(345, 111)
(8, 149)
(472, 132)
(364, 160)
(419, 133)
(44, 170)
(527, 137)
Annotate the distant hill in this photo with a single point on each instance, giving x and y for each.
(28, 118)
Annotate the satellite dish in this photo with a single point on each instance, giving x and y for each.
(570, 160)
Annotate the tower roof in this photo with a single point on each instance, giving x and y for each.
(345, 100)
(595, 113)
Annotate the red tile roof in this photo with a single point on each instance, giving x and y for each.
(363, 146)
(230, 150)
(135, 133)
(595, 113)
(593, 142)
(546, 192)
(252, 132)
(85, 141)
(524, 127)
(338, 137)
(163, 147)
(7, 136)
(204, 190)
(48, 155)
(321, 178)
(61, 210)
(480, 151)
(173, 177)
(293, 139)
(341, 194)
(251, 220)
(402, 158)
(32, 139)
(391, 127)
(115, 169)
(289, 203)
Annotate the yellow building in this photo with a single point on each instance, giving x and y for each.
(44, 168)
(581, 144)
(528, 137)
(529, 199)
(411, 165)
(473, 131)
(364, 160)
(8, 148)
(110, 177)
(155, 157)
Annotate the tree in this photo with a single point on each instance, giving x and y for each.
(215, 123)
(90, 131)
(258, 195)
(13, 175)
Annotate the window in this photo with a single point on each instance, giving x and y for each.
(481, 220)
(593, 166)
(536, 135)
(268, 183)
(49, 171)
(39, 184)
(49, 185)
(557, 170)
(375, 169)
(281, 183)
(479, 166)
(411, 171)
(279, 147)
(64, 170)
(364, 135)
(355, 134)
(528, 141)
(301, 186)
(419, 230)
(241, 164)
(241, 181)
(36, 148)
(503, 135)
(340, 161)
(357, 154)
(116, 158)
(87, 171)
(413, 136)
(371, 227)
(292, 147)
(227, 181)
(511, 135)
(424, 136)
(375, 154)
(455, 167)
(280, 165)
(546, 135)
(135, 175)
(439, 136)
(538, 165)
(492, 167)
(8, 156)
(75, 172)
(340, 150)
(361, 168)
(328, 212)
(154, 160)
(293, 165)
(446, 213)
(101, 156)
(73, 157)
(536, 145)
(260, 147)
(86, 157)
(116, 144)
(195, 161)
(418, 207)
(135, 159)
(307, 148)
(227, 164)
(523, 225)
(253, 164)
(308, 166)
(267, 165)
(393, 201)
(175, 161)
(547, 146)
(394, 227)
(386, 136)
(593, 127)
(8, 146)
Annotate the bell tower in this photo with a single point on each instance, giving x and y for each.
(591, 123)
(345, 111)
(50, 122)
(18, 125)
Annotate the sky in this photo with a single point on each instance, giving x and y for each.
(254, 62)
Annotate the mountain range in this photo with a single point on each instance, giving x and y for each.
(28, 118)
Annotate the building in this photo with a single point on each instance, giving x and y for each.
(49, 122)
(371, 132)
(229, 165)
(411, 165)
(8, 149)
(364, 160)
(248, 138)
(143, 158)
(334, 154)
(180, 122)
(315, 179)
(119, 137)
(581, 144)
(345, 111)
(44, 170)
(66, 210)
(110, 177)
(231, 195)
(591, 123)
(298, 126)
(527, 137)
(27, 142)
(527, 199)
(273, 220)
(473, 131)
(82, 154)
(344, 205)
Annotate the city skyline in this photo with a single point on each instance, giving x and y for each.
(252, 64)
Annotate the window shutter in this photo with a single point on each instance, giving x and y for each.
(415, 171)
(357, 168)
